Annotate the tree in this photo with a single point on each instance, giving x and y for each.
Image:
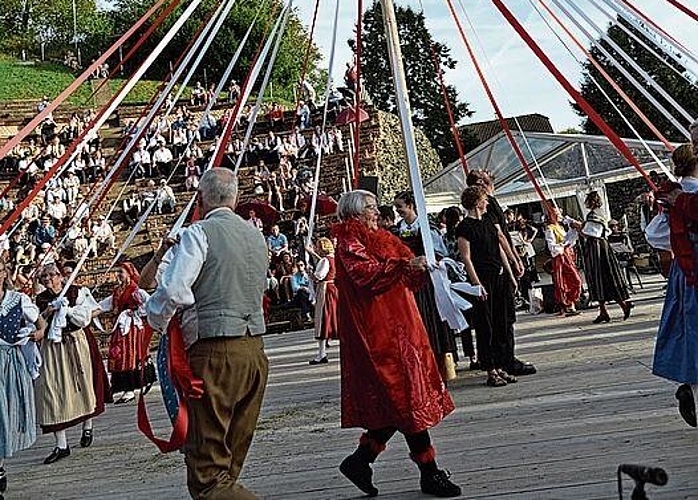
(287, 68)
(26, 24)
(428, 109)
(681, 90)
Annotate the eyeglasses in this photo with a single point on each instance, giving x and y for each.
(48, 276)
(371, 207)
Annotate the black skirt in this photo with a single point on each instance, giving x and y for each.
(441, 337)
(602, 272)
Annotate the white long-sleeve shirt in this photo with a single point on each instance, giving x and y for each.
(176, 275)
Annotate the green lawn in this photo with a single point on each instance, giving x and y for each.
(21, 81)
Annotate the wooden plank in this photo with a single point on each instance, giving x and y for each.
(555, 435)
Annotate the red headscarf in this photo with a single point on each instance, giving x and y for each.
(125, 297)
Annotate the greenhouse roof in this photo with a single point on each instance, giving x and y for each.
(568, 162)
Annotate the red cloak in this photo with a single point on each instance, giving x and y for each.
(389, 373)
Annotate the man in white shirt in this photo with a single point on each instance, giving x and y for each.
(217, 276)
(162, 158)
(166, 198)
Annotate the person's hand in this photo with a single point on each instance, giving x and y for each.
(669, 198)
(36, 335)
(514, 284)
(483, 296)
(419, 263)
(518, 269)
(165, 244)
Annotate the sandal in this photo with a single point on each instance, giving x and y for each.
(495, 380)
(509, 379)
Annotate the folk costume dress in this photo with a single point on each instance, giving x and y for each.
(18, 366)
(442, 338)
(73, 385)
(326, 323)
(676, 351)
(130, 339)
(601, 269)
(566, 277)
(389, 372)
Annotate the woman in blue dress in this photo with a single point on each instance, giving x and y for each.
(676, 351)
(20, 327)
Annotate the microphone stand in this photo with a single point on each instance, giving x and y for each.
(639, 490)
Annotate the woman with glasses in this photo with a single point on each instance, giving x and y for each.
(20, 327)
(390, 379)
(72, 386)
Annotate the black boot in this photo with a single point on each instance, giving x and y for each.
(437, 483)
(3, 480)
(357, 469)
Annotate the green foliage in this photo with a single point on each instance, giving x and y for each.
(681, 90)
(428, 109)
(19, 81)
(26, 24)
(287, 68)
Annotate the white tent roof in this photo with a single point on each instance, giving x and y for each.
(568, 162)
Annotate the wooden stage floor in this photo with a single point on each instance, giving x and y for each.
(559, 434)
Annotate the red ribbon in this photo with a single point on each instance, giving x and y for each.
(684, 9)
(502, 121)
(357, 95)
(187, 386)
(29, 128)
(451, 118)
(610, 80)
(586, 107)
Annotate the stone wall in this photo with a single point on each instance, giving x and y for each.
(391, 161)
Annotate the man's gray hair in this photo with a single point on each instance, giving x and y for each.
(218, 187)
(353, 203)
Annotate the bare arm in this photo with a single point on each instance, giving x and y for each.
(464, 250)
(507, 267)
(510, 255)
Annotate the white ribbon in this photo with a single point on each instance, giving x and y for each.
(318, 161)
(59, 321)
(448, 310)
(278, 33)
(625, 72)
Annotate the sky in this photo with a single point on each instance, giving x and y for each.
(520, 83)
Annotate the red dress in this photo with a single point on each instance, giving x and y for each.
(128, 350)
(326, 322)
(389, 373)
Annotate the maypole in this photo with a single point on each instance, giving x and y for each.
(448, 311)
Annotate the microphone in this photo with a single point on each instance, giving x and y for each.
(641, 475)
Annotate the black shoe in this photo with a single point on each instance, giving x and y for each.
(438, 484)
(687, 405)
(520, 368)
(602, 318)
(3, 480)
(86, 438)
(57, 454)
(360, 473)
(316, 361)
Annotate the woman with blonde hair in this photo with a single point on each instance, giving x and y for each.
(326, 326)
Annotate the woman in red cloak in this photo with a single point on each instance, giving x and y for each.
(390, 380)
(128, 346)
